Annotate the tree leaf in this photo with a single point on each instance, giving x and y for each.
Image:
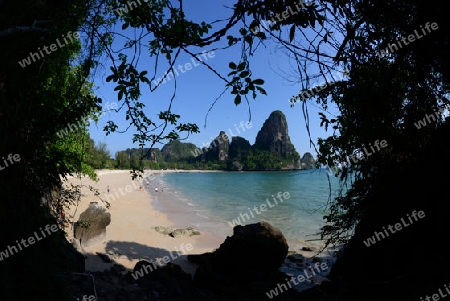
(241, 66)
(237, 99)
(244, 74)
(243, 31)
(261, 90)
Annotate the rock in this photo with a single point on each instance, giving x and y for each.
(199, 258)
(140, 266)
(184, 232)
(239, 148)
(169, 282)
(297, 258)
(307, 249)
(274, 136)
(250, 246)
(177, 232)
(163, 230)
(164, 284)
(308, 161)
(218, 149)
(248, 261)
(76, 244)
(104, 257)
(91, 226)
(176, 150)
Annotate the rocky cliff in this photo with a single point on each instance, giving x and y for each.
(239, 147)
(273, 150)
(308, 161)
(274, 135)
(219, 147)
(177, 150)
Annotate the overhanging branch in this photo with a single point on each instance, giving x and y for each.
(24, 29)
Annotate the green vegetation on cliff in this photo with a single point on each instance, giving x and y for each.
(269, 153)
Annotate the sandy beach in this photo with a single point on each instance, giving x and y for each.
(131, 236)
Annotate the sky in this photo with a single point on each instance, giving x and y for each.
(199, 87)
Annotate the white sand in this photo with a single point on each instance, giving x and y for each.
(131, 235)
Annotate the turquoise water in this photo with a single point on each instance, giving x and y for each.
(211, 201)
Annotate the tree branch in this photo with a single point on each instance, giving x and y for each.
(21, 29)
(25, 29)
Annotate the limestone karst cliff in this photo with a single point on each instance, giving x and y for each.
(272, 150)
(274, 136)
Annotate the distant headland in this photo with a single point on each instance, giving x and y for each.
(272, 150)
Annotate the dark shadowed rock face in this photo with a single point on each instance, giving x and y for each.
(91, 226)
(239, 147)
(255, 247)
(245, 266)
(274, 136)
(218, 149)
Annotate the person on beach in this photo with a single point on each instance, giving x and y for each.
(61, 216)
(107, 189)
(156, 189)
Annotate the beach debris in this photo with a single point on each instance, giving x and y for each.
(189, 231)
(92, 225)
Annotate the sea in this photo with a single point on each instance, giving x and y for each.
(294, 201)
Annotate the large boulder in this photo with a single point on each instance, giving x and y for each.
(91, 226)
(248, 261)
(254, 247)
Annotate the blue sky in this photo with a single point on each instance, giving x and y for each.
(198, 87)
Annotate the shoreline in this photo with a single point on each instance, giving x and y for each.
(131, 236)
(188, 216)
(159, 171)
(192, 214)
